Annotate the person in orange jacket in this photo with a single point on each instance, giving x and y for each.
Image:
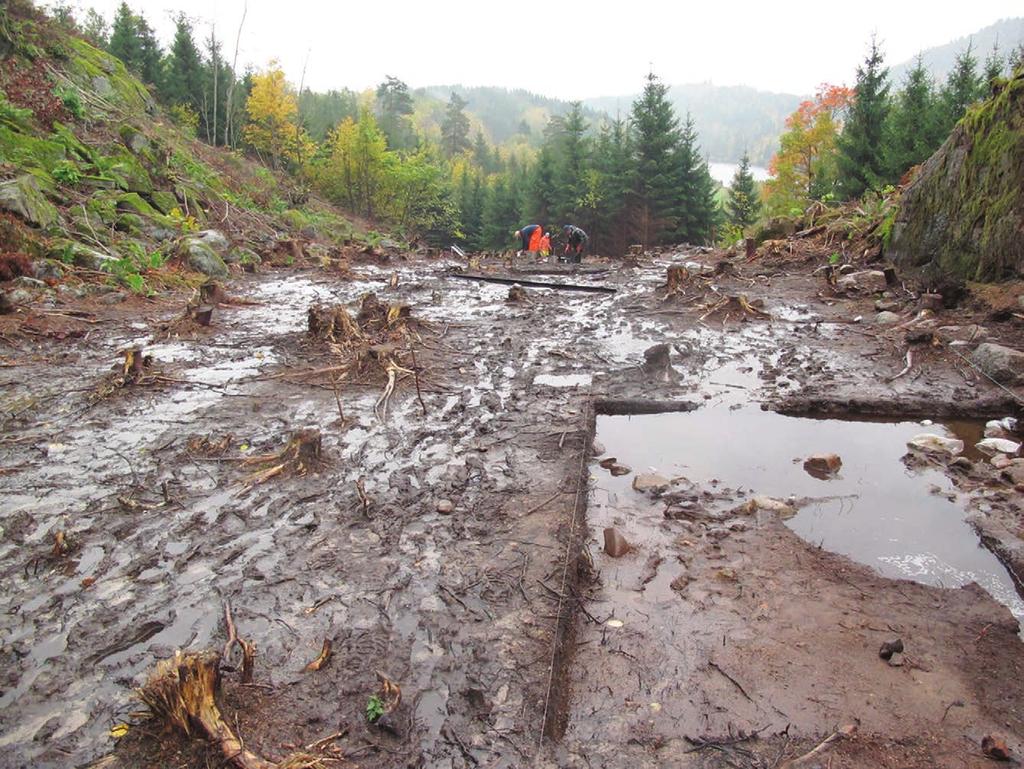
(529, 238)
(545, 245)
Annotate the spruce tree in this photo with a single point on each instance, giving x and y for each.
(654, 197)
(613, 161)
(962, 89)
(455, 127)
(913, 131)
(124, 38)
(995, 65)
(743, 205)
(861, 153)
(501, 215)
(697, 210)
(542, 189)
(571, 160)
(183, 76)
(149, 65)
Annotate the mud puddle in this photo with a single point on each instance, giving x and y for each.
(906, 524)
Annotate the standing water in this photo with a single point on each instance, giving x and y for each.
(905, 523)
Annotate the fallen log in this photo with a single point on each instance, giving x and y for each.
(509, 281)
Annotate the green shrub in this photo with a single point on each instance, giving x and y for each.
(67, 173)
(70, 99)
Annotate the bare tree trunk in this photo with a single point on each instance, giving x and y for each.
(229, 139)
(216, 72)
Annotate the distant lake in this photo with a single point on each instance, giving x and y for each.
(723, 172)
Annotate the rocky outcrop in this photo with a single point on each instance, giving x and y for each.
(23, 197)
(963, 213)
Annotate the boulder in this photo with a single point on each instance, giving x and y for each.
(163, 201)
(1014, 472)
(887, 318)
(961, 335)
(215, 239)
(1004, 364)
(89, 258)
(650, 482)
(991, 446)
(202, 258)
(48, 269)
(867, 281)
(615, 544)
(22, 196)
(823, 466)
(936, 444)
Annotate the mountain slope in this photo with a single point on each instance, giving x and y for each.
(729, 119)
(1008, 33)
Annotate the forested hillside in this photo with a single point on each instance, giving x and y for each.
(1000, 38)
(730, 120)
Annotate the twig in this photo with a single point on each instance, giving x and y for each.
(735, 683)
(821, 747)
(416, 375)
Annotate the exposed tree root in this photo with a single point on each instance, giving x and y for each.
(301, 455)
(734, 304)
(182, 693)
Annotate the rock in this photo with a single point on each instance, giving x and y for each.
(823, 466)
(887, 318)
(102, 87)
(20, 296)
(6, 305)
(48, 269)
(22, 196)
(90, 259)
(134, 140)
(890, 648)
(1000, 461)
(615, 544)
(768, 504)
(868, 281)
(445, 506)
(215, 239)
(960, 335)
(936, 444)
(1014, 472)
(992, 446)
(887, 305)
(1004, 364)
(930, 302)
(656, 365)
(1001, 428)
(23, 281)
(163, 201)
(618, 470)
(994, 746)
(243, 256)
(597, 448)
(202, 258)
(650, 482)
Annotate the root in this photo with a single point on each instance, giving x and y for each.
(182, 693)
(302, 454)
(735, 304)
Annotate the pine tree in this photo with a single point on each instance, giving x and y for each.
(913, 131)
(183, 78)
(962, 89)
(697, 210)
(455, 127)
(654, 197)
(743, 206)
(149, 65)
(861, 161)
(541, 201)
(613, 161)
(395, 106)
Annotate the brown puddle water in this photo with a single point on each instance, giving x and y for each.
(904, 523)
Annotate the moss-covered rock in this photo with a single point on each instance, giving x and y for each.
(24, 197)
(963, 213)
(105, 76)
(132, 202)
(163, 201)
(200, 257)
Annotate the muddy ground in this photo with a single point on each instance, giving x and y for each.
(454, 544)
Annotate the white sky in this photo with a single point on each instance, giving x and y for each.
(575, 49)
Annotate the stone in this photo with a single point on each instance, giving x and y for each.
(445, 506)
(215, 239)
(134, 140)
(163, 201)
(887, 305)
(993, 446)
(1000, 461)
(23, 196)
(241, 255)
(994, 746)
(961, 335)
(869, 281)
(597, 448)
(1004, 364)
(1014, 472)
(657, 365)
(202, 258)
(89, 258)
(1001, 428)
(48, 269)
(615, 544)
(20, 296)
(101, 85)
(886, 318)
(6, 305)
(936, 444)
(650, 482)
(768, 504)
(931, 302)
(823, 466)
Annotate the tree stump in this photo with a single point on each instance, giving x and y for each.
(677, 276)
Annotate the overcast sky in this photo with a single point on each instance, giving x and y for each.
(577, 49)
